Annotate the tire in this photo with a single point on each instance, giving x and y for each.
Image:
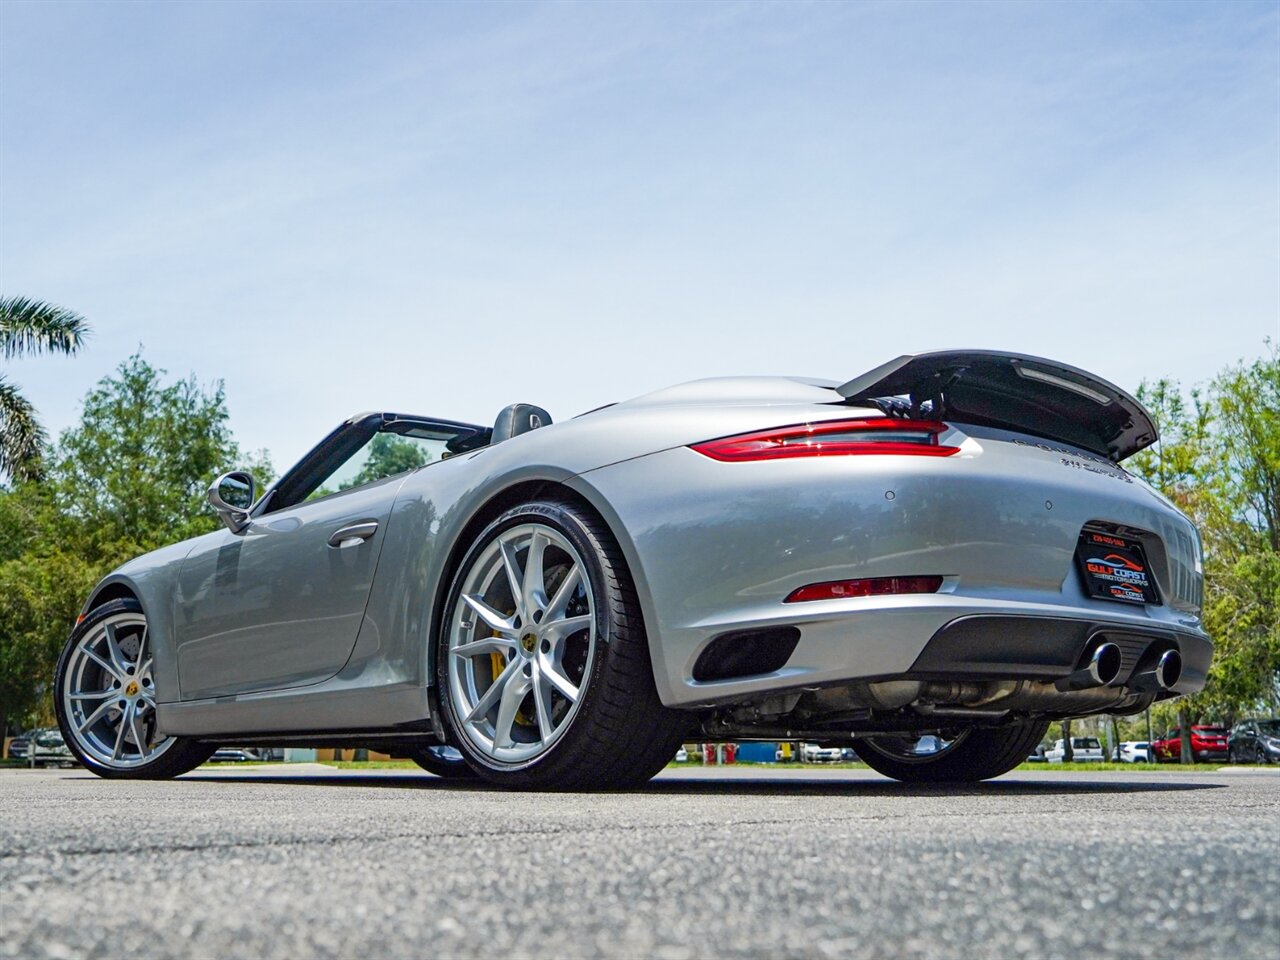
(437, 759)
(107, 652)
(975, 754)
(560, 695)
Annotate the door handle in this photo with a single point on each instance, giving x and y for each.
(354, 534)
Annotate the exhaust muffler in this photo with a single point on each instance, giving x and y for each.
(1101, 670)
(1161, 676)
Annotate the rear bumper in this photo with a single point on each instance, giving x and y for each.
(935, 639)
(1206, 756)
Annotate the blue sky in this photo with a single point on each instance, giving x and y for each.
(445, 208)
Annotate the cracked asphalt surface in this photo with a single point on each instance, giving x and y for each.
(748, 862)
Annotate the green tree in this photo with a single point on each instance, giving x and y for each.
(388, 455)
(29, 327)
(1219, 460)
(132, 475)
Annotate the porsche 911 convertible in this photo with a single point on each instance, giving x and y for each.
(942, 551)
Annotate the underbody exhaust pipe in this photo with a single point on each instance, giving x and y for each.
(1161, 676)
(1101, 670)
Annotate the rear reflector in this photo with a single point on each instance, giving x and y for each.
(833, 438)
(872, 587)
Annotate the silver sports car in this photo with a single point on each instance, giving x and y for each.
(942, 551)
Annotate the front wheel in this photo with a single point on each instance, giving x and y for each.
(962, 756)
(543, 664)
(105, 698)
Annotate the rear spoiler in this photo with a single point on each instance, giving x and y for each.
(1011, 392)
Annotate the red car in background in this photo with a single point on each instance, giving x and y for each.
(1207, 744)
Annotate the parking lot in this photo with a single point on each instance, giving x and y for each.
(309, 860)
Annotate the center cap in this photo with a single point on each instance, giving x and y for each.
(132, 689)
(528, 642)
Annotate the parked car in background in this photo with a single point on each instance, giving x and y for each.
(816, 754)
(1036, 755)
(1208, 744)
(18, 745)
(47, 748)
(1135, 751)
(1255, 741)
(682, 755)
(1083, 749)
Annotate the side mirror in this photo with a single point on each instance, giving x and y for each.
(231, 496)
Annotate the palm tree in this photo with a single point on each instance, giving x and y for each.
(29, 327)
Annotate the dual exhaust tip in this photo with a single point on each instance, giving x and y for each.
(1104, 665)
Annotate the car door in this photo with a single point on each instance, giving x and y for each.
(279, 602)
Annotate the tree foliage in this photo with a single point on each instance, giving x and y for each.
(1219, 460)
(388, 455)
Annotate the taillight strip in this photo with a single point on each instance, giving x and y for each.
(833, 438)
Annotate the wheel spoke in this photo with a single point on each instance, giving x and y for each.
(485, 645)
(564, 686)
(105, 665)
(133, 727)
(564, 593)
(542, 703)
(513, 695)
(94, 694)
(142, 649)
(492, 618)
(127, 715)
(559, 630)
(512, 567)
(113, 648)
(535, 587)
(94, 717)
(492, 695)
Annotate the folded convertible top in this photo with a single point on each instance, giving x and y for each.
(1012, 392)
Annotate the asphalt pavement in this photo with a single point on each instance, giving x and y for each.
(309, 861)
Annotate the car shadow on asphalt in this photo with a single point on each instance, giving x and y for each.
(789, 786)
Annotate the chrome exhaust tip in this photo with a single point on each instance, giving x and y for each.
(1162, 675)
(1101, 670)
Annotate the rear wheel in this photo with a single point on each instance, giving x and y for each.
(105, 697)
(543, 664)
(962, 756)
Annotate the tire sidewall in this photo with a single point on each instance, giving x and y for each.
(563, 519)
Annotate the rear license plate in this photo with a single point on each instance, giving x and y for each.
(1114, 568)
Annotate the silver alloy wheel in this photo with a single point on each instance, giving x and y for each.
(109, 695)
(906, 749)
(521, 642)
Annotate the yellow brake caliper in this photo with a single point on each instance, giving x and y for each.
(496, 666)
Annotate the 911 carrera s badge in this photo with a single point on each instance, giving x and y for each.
(1114, 568)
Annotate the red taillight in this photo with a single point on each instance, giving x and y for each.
(871, 587)
(833, 438)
